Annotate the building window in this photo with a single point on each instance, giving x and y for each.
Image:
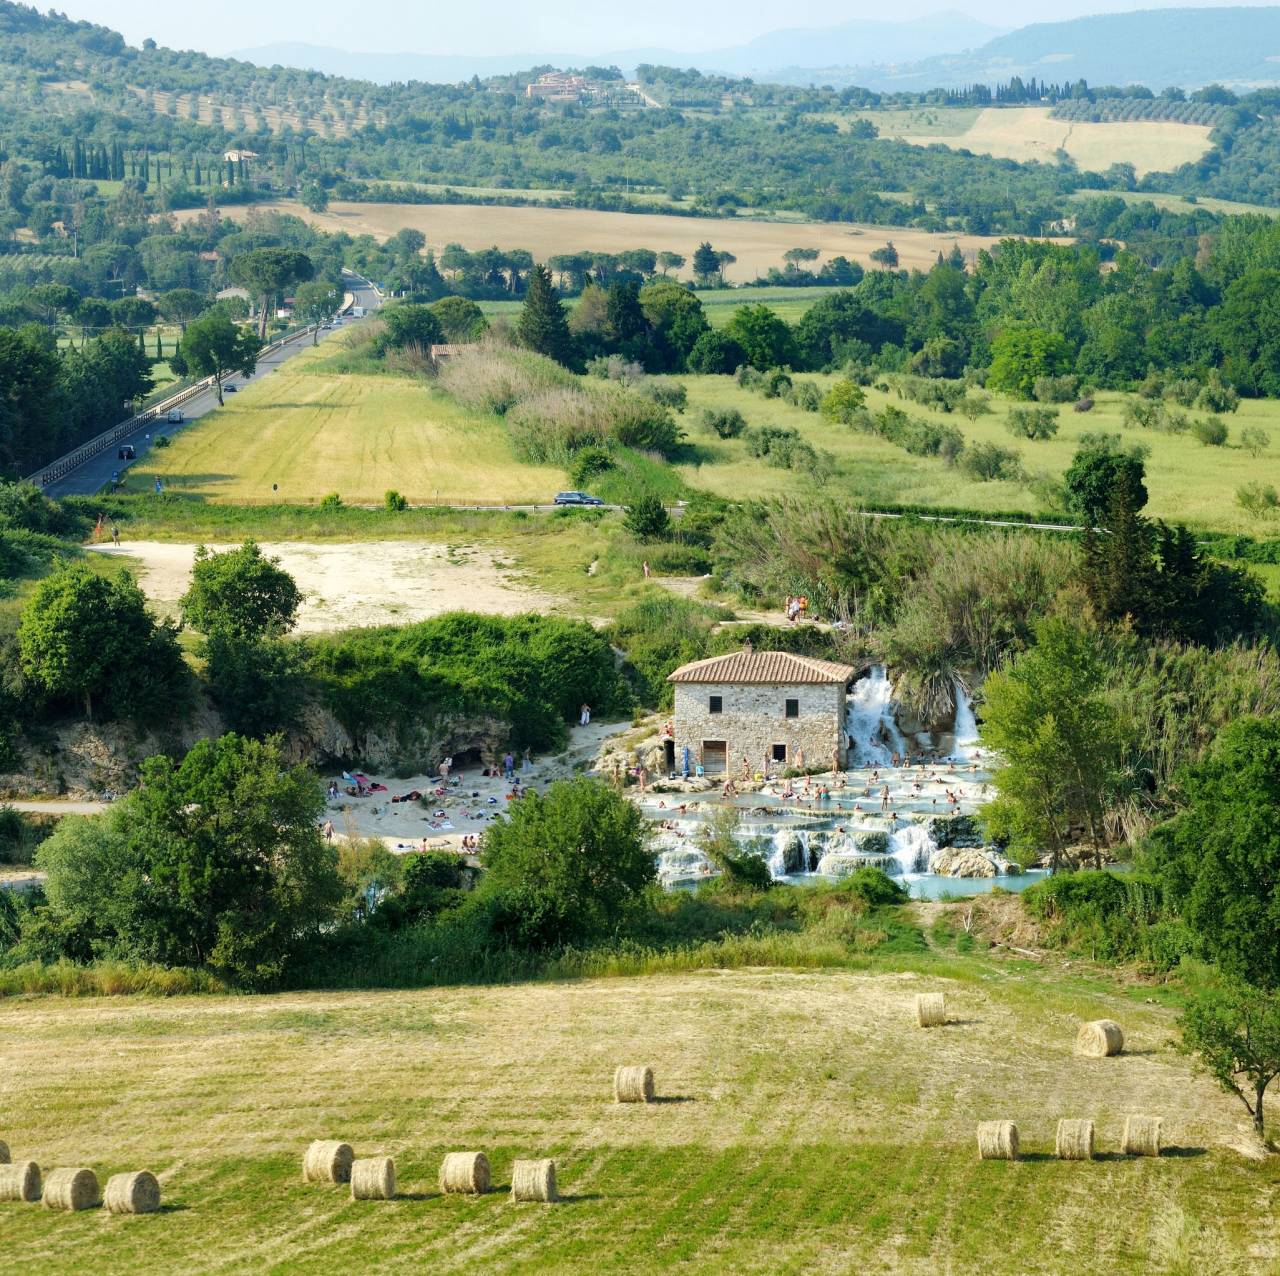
(793, 708)
(715, 704)
(779, 752)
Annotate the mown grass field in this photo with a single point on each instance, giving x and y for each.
(1031, 133)
(806, 1125)
(306, 432)
(311, 431)
(548, 231)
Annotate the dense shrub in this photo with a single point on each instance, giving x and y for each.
(727, 423)
(1211, 431)
(987, 461)
(1032, 423)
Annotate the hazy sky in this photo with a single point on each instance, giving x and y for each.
(517, 26)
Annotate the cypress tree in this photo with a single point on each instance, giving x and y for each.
(544, 324)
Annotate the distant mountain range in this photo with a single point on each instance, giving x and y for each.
(1239, 47)
(849, 43)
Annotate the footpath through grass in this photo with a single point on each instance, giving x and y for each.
(806, 1124)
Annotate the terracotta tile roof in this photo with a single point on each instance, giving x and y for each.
(763, 666)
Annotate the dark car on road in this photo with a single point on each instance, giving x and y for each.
(127, 453)
(229, 389)
(577, 498)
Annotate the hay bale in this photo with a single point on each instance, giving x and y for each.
(533, 1181)
(632, 1085)
(72, 1189)
(464, 1172)
(931, 1009)
(1075, 1141)
(1099, 1039)
(20, 1182)
(136, 1193)
(1141, 1136)
(327, 1161)
(373, 1178)
(997, 1141)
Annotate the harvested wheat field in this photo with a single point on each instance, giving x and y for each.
(345, 585)
(1031, 133)
(804, 1124)
(547, 231)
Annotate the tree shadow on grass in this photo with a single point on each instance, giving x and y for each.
(172, 1207)
(672, 1098)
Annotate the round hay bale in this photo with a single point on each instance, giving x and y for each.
(5, 1158)
(327, 1161)
(73, 1189)
(1075, 1141)
(632, 1085)
(465, 1172)
(1099, 1039)
(1141, 1136)
(373, 1178)
(931, 1009)
(20, 1182)
(136, 1193)
(997, 1141)
(533, 1181)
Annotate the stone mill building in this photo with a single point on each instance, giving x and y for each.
(771, 708)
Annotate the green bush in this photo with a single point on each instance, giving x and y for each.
(1212, 431)
(331, 501)
(588, 462)
(727, 423)
(393, 501)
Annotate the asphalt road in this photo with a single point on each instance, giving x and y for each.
(95, 473)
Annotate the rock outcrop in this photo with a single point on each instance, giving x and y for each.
(952, 861)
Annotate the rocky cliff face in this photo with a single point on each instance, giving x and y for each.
(83, 760)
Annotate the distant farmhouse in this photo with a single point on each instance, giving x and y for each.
(760, 710)
(560, 86)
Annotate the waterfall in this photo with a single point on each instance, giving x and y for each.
(966, 729)
(911, 847)
(788, 852)
(870, 723)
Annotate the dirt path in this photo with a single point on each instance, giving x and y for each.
(363, 583)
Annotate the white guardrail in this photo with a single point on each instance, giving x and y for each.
(74, 459)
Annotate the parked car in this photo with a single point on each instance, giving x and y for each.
(577, 498)
(127, 453)
(229, 389)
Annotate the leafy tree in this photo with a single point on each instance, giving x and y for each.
(1019, 356)
(676, 321)
(1234, 1030)
(647, 519)
(1219, 857)
(266, 272)
(182, 305)
(314, 197)
(843, 402)
(258, 682)
(1096, 472)
(727, 423)
(1211, 431)
(317, 301)
(742, 866)
(406, 326)
(1254, 440)
(715, 353)
(214, 347)
(90, 639)
(543, 325)
(1058, 738)
(764, 337)
(669, 261)
(565, 866)
(886, 256)
(215, 861)
(240, 592)
(1032, 423)
(461, 320)
(706, 264)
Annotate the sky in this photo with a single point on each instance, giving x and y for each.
(520, 26)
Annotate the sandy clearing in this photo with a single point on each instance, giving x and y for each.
(1031, 133)
(364, 583)
(547, 231)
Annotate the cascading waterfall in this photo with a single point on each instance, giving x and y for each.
(869, 721)
(781, 842)
(966, 745)
(911, 846)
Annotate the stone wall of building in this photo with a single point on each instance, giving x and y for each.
(753, 721)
